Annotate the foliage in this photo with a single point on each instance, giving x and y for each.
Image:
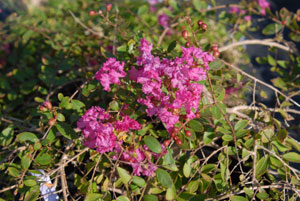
(53, 64)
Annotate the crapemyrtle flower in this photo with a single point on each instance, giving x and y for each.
(263, 5)
(110, 73)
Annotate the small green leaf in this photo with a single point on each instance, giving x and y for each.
(114, 105)
(271, 29)
(27, 136)
(240, 125)
(66, 130)
(30, 182)
(193, 186)
(278, 82)
(13, 171)
(271, 60)
(93, 197)
(216, 65)
(208, 167)
(196, 126)
(26, 161)
(172, 46)
(171, 193)
(123, 198)
(60, 117)
(262, 195)
(216, 112)
(6, 136)
(208, 137)
(262, 166)
(153, 144)
(125, 176)
(164, 178)
(138, 181)
(238, 198)
(43, 159)
(227, 138)
(292, 157)
(150, 198)
(142, 10)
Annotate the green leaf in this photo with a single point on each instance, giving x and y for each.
(240, 125)
(142, 10)
(208, 137)
(27, 136)
(271, 29)
(125, 176)
(262, 166)
(138, 181)
(43, 159)
(293, 143)
(193, 186)
(278, 82)
(153, 144)
(196, 126)
(187, 168)
(77, 105)
(60, 117)
(262, 195)
(238, 198)
(216, 112)
(216, 65)
(208, 167)
(171, 193)
(13, 171)
(66, 130)
(32, 194)
(93, 197)
(26, 161)
(164, 178)
(227, 138)
(114, 105)
(292, 157)
(198, 4)
(172, 46)
(6, 136)
(271, 60)
(30, 182)
(248, 191)
(295, 37)
(150, 198)
(123, 198)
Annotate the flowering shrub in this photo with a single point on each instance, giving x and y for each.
(149, 102)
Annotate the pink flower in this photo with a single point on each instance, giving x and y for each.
(110, 73)
(263, 5)
(127, 124)
(247, 18)
(97, 133)
(163, 20)
(234, 10)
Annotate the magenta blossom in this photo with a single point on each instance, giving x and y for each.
(163, 20)
(97, 132)
(263, 5)
(110, 73)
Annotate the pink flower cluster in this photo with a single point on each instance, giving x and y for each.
(171, 85)
(236, 10)
(163, 20)
(100, 130)
(110, 73)
(263, 5)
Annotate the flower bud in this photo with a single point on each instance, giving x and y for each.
(185, 34)
(92, 13)
(200, 22)
(43, 109)
(216, 54)
(48, 104)
(166, 143)
(187, 44)
(51, 122)
(188, 133)
(179, 142)
(204, 26)
(108, 7)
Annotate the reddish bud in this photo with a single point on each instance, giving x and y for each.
(108, 7)
(200, 22)
(166, 143)
(176, 130)
(179, 142)
(43, 109)
(204, 26)
(176, 137)
(198, 115)
(215, 48)
(185, 34)
(188, 20)
(92, 13)
(216, 54)
(187, 44)
(283, 22)
(52, 121)
(48, 104)
(188, 133)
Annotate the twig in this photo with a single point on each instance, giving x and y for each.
(261, 82)
(266, 42)
(236, 109)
